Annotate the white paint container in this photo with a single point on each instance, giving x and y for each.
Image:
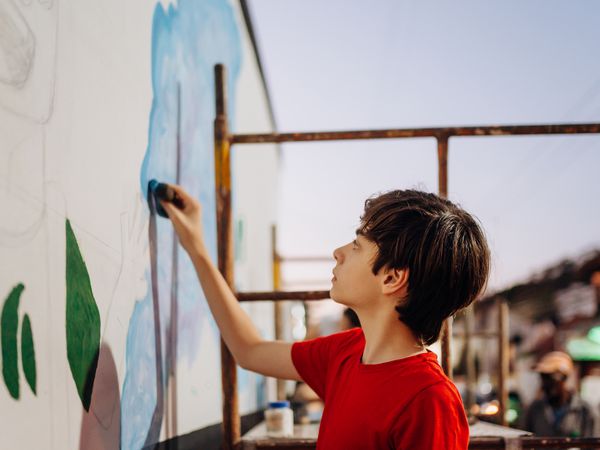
(280, 419)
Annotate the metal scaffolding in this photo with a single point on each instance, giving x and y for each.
(223, 141)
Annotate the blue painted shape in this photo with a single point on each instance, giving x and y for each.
(187, 41)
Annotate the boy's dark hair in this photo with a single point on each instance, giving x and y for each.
(443, 247)
(352, 317)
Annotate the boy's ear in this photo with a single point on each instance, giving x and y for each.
(395, 281)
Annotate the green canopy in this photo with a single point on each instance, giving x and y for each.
(587, 348)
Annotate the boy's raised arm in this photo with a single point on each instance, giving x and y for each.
(271, 358)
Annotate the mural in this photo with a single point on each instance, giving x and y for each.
(9, 322)
(185, 48)
(83, 321)
(106, 338)
(28, 353)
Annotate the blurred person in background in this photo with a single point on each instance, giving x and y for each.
(559, 410)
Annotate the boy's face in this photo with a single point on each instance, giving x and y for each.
(354, 283)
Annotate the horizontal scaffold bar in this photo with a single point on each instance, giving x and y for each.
(534, 442)
(501, 130)
(282, 295)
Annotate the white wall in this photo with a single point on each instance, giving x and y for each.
(76, 97)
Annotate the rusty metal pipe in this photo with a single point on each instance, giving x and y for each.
(503, 356)
(501, 130)
(298, 259)
(282, 295)
(446, 335)
(534, 442)
(469, 323)
(231, 416)
(278, 307)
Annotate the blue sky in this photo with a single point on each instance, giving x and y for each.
(340, 65)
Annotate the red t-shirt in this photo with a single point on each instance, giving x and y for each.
(406, 404)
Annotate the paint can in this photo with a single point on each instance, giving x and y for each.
(280, 419)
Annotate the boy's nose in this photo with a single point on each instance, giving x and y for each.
(336, 254)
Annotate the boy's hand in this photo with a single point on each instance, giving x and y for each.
(187, 221)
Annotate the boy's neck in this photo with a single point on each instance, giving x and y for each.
(387, 339)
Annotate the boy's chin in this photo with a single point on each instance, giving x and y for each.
(336, 298)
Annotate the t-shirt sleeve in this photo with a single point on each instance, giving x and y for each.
(312, 359)
(434, 419)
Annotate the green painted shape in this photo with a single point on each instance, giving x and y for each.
(10, 323)
(28, 354)
(83, 321)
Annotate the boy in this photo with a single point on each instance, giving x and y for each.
(416, 260)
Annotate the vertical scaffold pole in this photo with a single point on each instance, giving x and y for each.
(470, 353)
(442, 143)
(504, 357)
(231, 417)
(278, 307)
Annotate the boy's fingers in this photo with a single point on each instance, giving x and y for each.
(186, 199)
(169, 208)
(180, 192)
